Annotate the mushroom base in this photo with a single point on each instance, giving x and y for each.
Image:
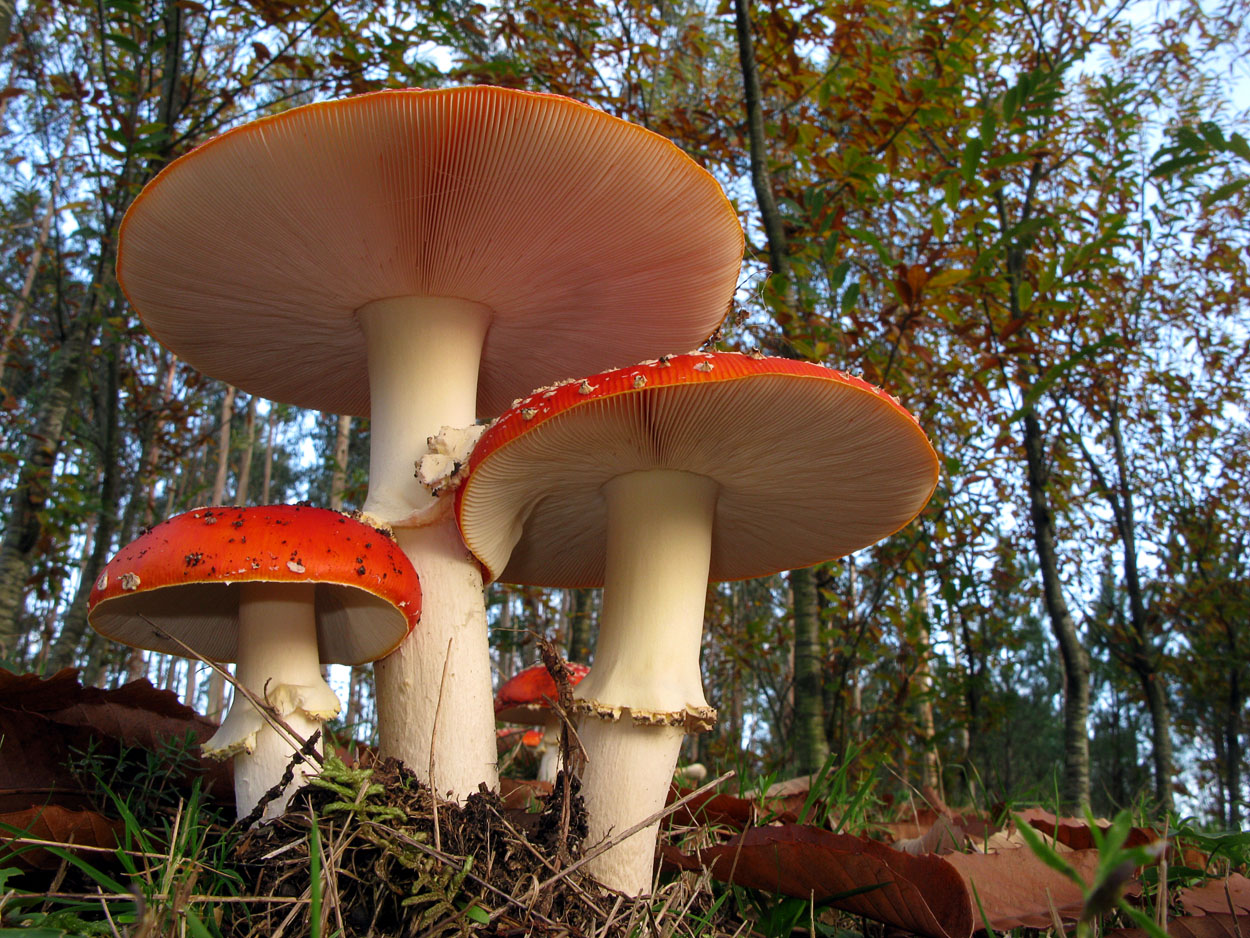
(627, 782)
(260, 769)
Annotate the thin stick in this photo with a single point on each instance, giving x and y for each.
(629, 832)
(438, 709)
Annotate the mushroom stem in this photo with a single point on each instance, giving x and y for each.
(423, 368)
(646, 660)
(280, 664)
(423, 362)
(549, 760)
(418, 711)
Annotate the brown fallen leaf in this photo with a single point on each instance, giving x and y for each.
(1075, 832)
(724, 810)
(519, 793)
(943, 837)
(1016, 888)
(924, 895)
(45, 721)
(1214, 897)
(55, 824)
(1196, 926)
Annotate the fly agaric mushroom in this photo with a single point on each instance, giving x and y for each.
(421, 257)
(526, 698)
(281, 589)
(650, 481)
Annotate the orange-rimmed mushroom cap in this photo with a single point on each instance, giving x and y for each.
(184, 576)
(523, 697)
(811, 464)
(591, 240)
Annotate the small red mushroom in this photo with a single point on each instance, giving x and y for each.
(281, 589)
(526, 698)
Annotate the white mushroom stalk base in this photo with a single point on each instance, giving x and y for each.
(279, 664)
(549, 759)
(645, 690)
(625, 767)
(423, 364)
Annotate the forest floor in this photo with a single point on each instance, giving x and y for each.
(111, 825)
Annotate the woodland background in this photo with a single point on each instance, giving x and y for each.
(1027, 219)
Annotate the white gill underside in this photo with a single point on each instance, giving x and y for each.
(423, 374)
(279, 663)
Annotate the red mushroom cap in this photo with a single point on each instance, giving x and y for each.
(592, 240)
(184, 576)
(811, 464)
(523, 698)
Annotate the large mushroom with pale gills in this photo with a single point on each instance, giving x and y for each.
(280, 589)
(422, 257)
(652, 480)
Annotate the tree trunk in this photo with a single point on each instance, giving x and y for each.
(270, 420)
(1144, 658)
(24, 530)
(810, 748)
(18, 312)
(581, 620)
(245, 461)
(1232, 748)
(338, 474)
(1074, 788)
(65, 651)
(223, 448)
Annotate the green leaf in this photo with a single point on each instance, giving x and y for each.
(1223, 192)
(124, 42)
(196, 925)
(850, 297)
(1011, 102)
(971, 159)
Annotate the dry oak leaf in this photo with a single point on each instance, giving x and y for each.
(1215, 897)
(1196, 926)
(924, 895)
(58, 825)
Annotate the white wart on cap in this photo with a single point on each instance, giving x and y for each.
(422, 257)
(650, 481)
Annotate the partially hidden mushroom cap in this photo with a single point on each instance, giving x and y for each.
(811, 464)
(592, 241)
(523, 698)
(184, 577)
